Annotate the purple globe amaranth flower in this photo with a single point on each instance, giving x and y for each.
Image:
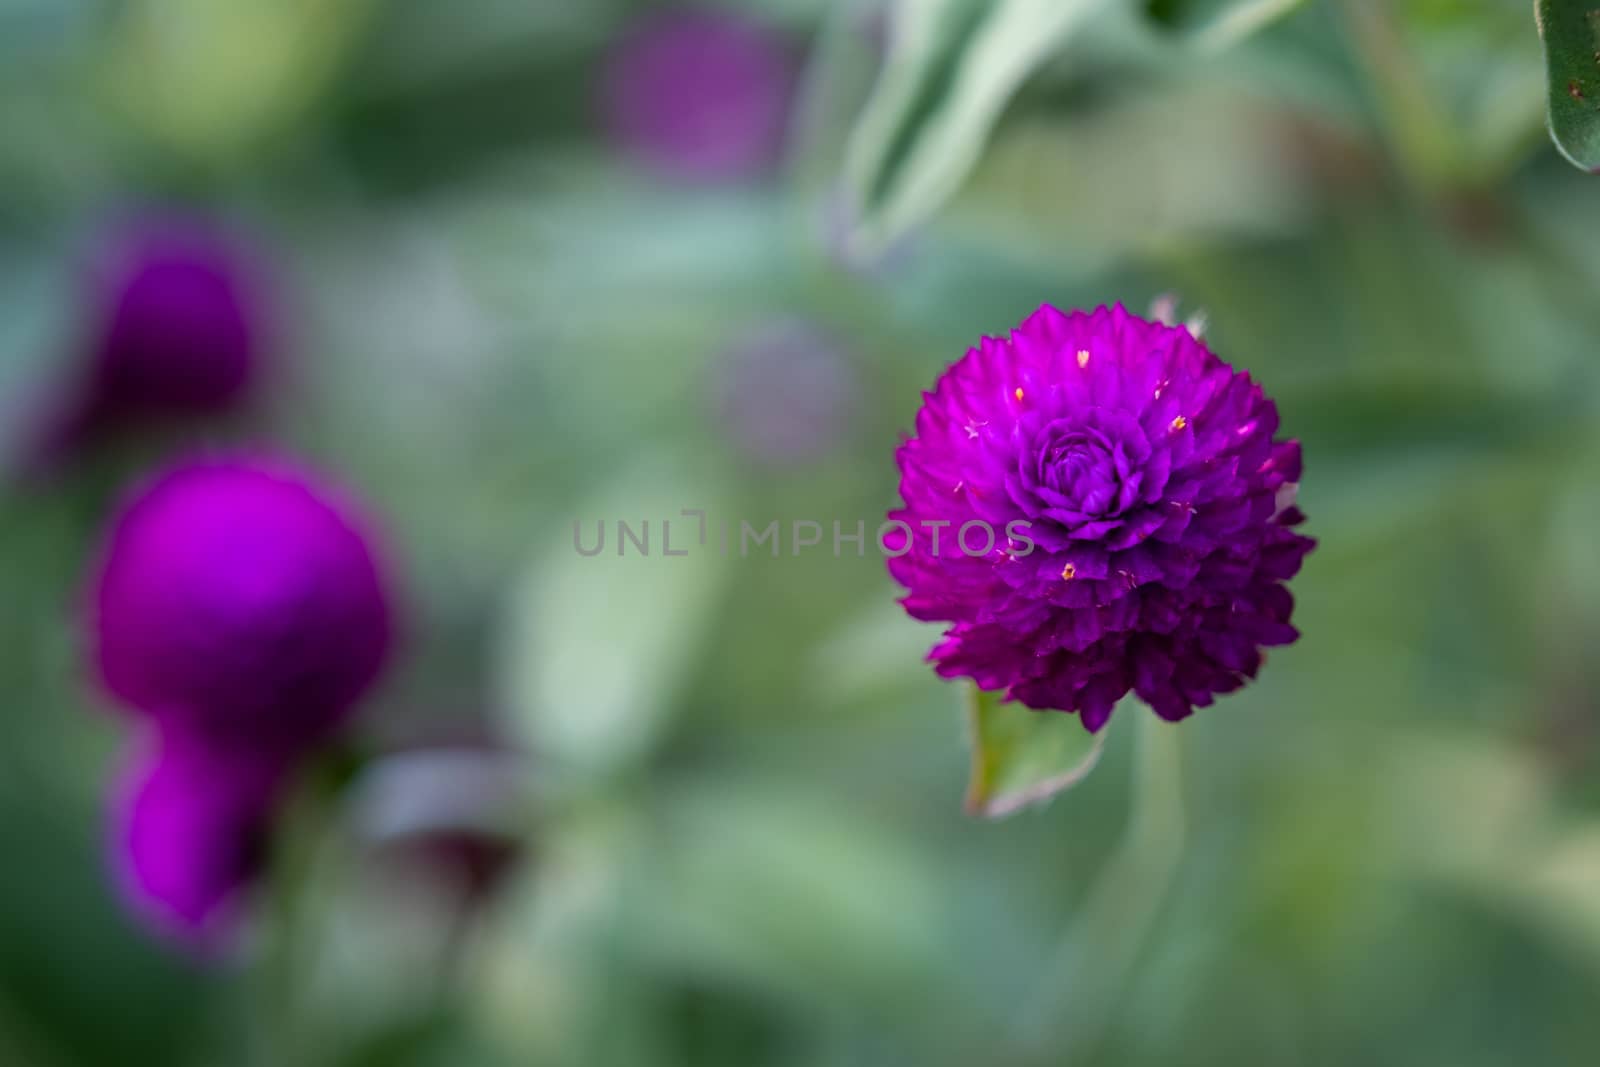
(190, 828)
(182, 319)
(178, 322)
(700, 94)
(240, 602)
(1141, 512)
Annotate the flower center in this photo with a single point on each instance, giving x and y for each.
(1082, 469)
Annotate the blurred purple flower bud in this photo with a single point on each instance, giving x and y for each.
(178, 322)
(239, 601)
(787, 394)
(700, 94)
(182, 322)
(189, 837)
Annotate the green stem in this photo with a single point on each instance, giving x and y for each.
(20, 1040)
(1090, 968)
(300, 831)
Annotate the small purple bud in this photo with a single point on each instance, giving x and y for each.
(239, 601)
(182, 324)
(189, 832)
(700, 94)
(786, 393)
(176, 312)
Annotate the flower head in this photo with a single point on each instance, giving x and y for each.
(190, 828)
(180, 327)
(1139, 507)
(181, 320)
(176, 315)
(239, 601)
(700, 93)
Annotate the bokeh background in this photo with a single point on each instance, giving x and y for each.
(504, 301)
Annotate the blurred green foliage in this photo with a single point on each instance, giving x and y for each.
(745, 831)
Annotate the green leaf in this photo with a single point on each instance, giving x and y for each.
(1022, 757)
(598, 646)
(952, 67)
(1109, 183)
(1571, 33)
(1213, 25)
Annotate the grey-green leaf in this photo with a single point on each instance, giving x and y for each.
(952, 66)
(1022, 757)
(1213, 25)
(1570, 30)
(598, 646)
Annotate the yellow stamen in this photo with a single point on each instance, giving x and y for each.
(1018, 393)
(1179, 423)
(1069, 572)
(1083, 357)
